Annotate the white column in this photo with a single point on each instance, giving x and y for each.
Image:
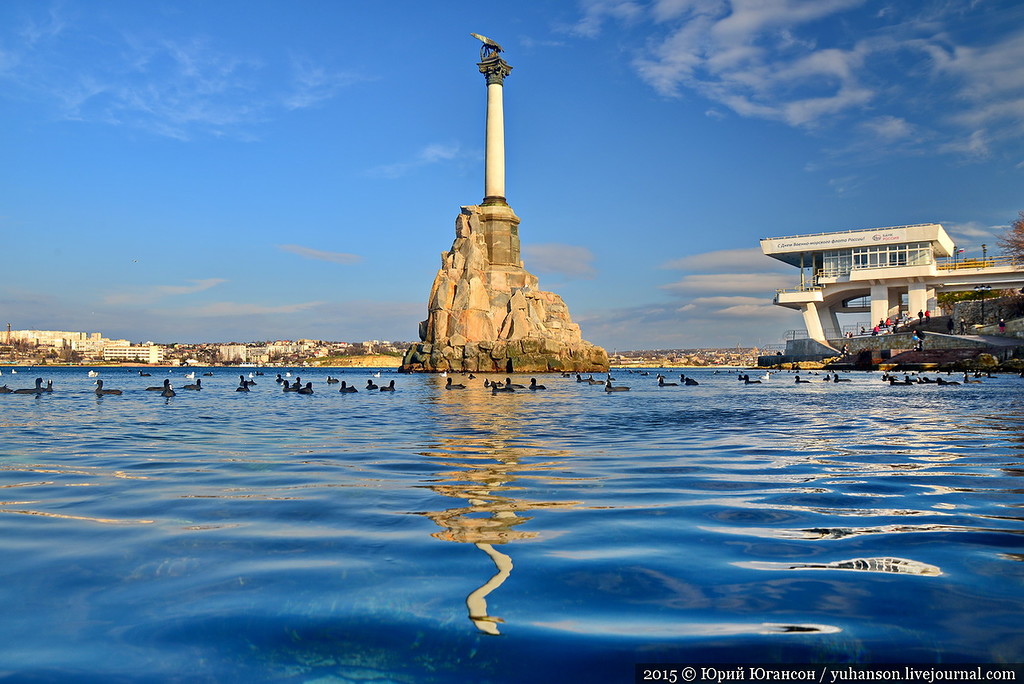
(917, 298)
(879, 303)
(494, 160)
(495, 70)
(812, 321)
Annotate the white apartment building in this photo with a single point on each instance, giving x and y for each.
(124, 351)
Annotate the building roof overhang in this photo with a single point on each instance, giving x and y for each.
(797, 250)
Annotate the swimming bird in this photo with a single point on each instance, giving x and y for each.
(370, 385)
(687, 381)
(579, 378)
(390, 387)
(836, 378)
(619, 388)
(940, 381)
(497, 387)
(308, 389)
(332, 381)
(662, 383)
(207, 375)
(513, 385)
(38, 389)
(49, 386)
(168, 391)
(245, 388)
(798, 380)
(160, 388)
(748, 381)
(452, 385)
(92, 374)
(535, 386)
(197, 385)
(100, 391)
(347, 388)
(242, 380)
(190, 376)
(143, 375)
(4, 389)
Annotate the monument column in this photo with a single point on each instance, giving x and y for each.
(495, 69)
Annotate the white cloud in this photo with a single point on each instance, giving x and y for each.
(570, 261)
(723, 260)
(729, 283)
(431, 154)
(217, 309)
(888, 128)
(813, 64)
(144, 296)
(313, 83)
(310, 253)
(176, 88)
(596, 11)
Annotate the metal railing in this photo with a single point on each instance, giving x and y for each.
(954, 264)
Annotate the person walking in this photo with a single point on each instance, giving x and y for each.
(950, 325)
(1002, 326)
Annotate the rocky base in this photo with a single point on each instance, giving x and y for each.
(527, 355)
(487, 313)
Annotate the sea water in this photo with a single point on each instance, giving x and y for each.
(564, 534)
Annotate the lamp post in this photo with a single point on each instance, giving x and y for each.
(984, 255)
(982, 290)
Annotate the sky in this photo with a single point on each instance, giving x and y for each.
(246, 170)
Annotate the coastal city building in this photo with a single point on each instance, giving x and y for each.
(139, 353)
(884, 274)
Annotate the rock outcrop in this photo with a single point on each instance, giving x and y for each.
(487, 313)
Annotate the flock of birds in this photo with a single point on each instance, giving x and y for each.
(165, 389)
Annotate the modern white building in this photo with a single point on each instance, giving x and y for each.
(883, 272)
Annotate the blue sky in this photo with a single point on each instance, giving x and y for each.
(244, 170)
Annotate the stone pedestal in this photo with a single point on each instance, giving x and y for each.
(487, 313)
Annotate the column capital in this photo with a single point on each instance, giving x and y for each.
(495, 69)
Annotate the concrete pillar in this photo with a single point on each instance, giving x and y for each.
(495, 69)
(917, 298)
(812, 321)
(879, 303)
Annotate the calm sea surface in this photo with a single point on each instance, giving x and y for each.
(428, 535)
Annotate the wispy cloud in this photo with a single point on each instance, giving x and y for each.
(310, 253)
(729, 282)
(313, 83)
(722, 260)
(218, 309)
(781, 61)
(179, 88)
(431, 154)
(144, 296)
(569, 261)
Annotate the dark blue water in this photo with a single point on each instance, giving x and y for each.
(428, 535)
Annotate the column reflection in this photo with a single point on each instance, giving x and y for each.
(487, 460)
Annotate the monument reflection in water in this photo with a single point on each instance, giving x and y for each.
(482, 470)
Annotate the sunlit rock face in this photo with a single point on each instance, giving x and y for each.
(487, 313)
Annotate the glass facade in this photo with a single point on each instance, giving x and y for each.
(840, 262)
